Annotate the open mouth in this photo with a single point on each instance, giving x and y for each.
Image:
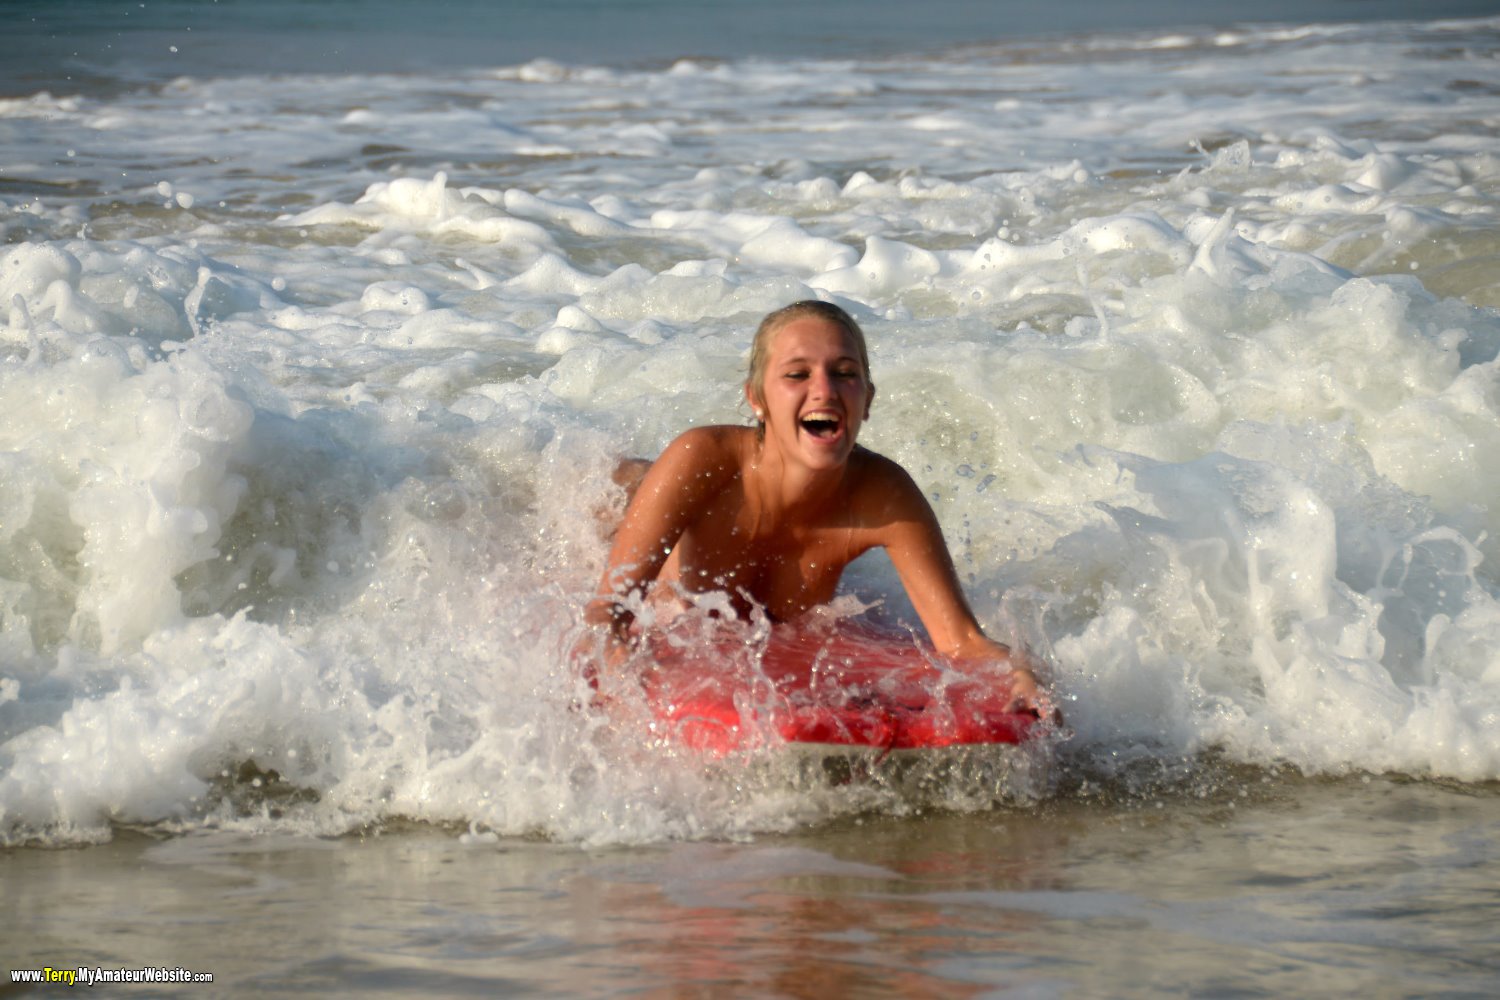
(822, 425)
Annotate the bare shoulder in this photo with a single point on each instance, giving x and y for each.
(699, 462)
(723, 437)
(718, 447)
(885, 490)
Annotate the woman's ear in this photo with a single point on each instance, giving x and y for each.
(756, 406)
(869, 398)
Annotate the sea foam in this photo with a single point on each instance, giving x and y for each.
(306, 441)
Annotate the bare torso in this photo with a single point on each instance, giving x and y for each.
(785, 564)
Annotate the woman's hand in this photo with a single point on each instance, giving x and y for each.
(603, 655)
(1027, 693)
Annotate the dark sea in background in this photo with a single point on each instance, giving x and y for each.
(94, 43)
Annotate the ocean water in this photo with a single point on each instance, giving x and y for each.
(101, 43)
(320, 334)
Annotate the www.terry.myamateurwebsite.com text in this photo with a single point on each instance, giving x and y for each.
(86, 976)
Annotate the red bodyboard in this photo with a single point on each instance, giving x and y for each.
(853, 685)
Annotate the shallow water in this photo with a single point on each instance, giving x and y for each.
(1308, 888)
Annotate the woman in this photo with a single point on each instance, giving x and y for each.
(772, 515)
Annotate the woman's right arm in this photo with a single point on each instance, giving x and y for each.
(689, 474)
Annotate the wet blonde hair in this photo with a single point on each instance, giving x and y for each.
(760, 347)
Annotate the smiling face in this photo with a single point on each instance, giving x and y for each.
(813, 394)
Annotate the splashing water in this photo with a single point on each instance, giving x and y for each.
(311, 386)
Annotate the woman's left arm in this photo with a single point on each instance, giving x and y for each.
(905, 525)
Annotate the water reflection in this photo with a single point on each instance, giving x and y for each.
(1308, 887)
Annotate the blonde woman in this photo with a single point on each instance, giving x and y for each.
(771, 515)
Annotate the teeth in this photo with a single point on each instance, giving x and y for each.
(822, 423)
